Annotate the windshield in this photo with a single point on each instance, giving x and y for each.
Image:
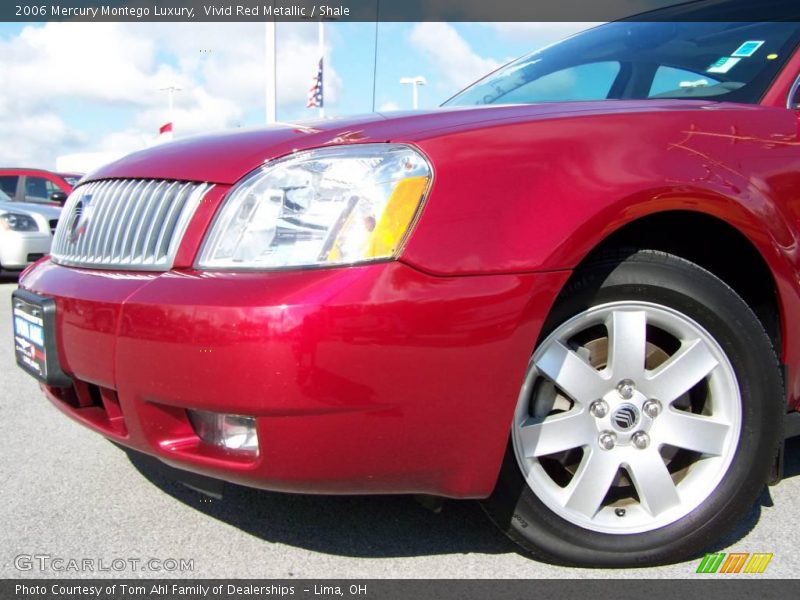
(633, 61)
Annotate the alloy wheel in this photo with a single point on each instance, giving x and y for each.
(628, 419)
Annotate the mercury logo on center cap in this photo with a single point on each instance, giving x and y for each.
(625, 417)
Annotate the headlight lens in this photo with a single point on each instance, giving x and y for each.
(18, 222)
(338, 205)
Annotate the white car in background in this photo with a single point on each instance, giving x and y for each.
(26, 232)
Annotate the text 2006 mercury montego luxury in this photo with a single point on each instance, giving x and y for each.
(572, 292)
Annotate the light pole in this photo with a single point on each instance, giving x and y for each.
(166, 131)
(171, 93)
(414, 82)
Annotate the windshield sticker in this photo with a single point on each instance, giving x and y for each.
(723, 65)
(694, 84)
(747, 49)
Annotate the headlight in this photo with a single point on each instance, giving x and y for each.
(338, 205)
(18, 222)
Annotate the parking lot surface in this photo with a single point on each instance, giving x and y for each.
(67, 493)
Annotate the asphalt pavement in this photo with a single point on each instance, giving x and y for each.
(73, 504)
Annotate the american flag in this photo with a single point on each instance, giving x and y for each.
(315, 93)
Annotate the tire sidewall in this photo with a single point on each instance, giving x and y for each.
(682, 286)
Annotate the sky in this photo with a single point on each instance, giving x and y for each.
(70, 88)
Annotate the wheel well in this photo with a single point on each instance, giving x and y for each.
(712, 244)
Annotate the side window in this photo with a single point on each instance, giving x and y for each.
(591, 81)
(38, 189)
(669, 80)
(8, 183)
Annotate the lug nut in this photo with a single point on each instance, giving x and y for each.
(599, 409)
(607, 440)
(625, 388)
(641, 440)
(652, 408)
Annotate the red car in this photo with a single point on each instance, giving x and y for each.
(37, 185)
(571, 292)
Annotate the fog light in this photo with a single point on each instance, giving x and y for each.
(232, 432)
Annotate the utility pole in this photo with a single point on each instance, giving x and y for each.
(414, 82)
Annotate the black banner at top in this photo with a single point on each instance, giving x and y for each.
(399, 10)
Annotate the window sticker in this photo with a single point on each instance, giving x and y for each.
(747, 49)
(723, 65)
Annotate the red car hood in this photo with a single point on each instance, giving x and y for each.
(226, 157)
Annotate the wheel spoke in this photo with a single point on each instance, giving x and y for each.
(680, 373)
(692, 432)
(627, 332)
(574, 376)
(555, 434)
(653, 481)
(591, 482)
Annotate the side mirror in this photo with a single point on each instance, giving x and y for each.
(58, 197)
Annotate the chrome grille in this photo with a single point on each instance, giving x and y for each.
(125, 223)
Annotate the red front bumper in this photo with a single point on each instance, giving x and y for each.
(372, 379)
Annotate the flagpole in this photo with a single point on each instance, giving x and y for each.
(321, 41)
(170, 95)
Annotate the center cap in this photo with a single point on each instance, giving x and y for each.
(625, 417)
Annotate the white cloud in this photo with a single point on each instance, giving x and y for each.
(539, 34)
(230, 58)
(458, 65)
(81, 60)
(388, 106)
(44, 65)
(298, 58)
(200, 111)
(34, 135)
(456, 62)
(220, 68)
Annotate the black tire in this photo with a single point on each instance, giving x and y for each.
(656, 277)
